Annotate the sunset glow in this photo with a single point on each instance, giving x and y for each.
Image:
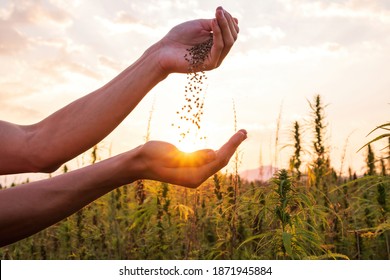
(53, 52)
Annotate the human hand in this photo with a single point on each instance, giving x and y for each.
(174, 45)
(162, 161)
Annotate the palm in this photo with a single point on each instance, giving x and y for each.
(166, 155)
(164, 162)
(177, 42)
(186, 35)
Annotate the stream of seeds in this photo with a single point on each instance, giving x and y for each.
(190, 114)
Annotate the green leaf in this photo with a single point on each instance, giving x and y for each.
(287, 242)
(374, 140)
(383, 126)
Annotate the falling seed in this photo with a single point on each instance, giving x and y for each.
(196, 57)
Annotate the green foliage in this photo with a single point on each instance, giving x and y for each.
(385, 127)
(308, 215)
(280, 219)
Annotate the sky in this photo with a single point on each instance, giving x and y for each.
(53, 52)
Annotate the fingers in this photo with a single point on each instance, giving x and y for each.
(197, 158)
(227, 150)
(225, 29)
(223, 155)
(190, 170)
(233, 26)
(219, 158)
(218, 45)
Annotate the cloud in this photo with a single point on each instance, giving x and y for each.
(124, 17)
(110, 63)
(58, 68)
(56, 57)
(353, 9)
(273, 33)
(18, 112)
(13, 105)
(10, 90)
(150, 18)
(11, 40)
(21, 14)
(34, 12)
(342, 26)
(121, 26)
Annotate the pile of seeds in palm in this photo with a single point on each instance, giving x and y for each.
(192, 111)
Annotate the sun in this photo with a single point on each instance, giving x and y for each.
(187, 147)
(187, 136)
(191, 143)
(192, 140)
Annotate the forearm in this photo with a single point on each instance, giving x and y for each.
(29, 208)
(85, 122)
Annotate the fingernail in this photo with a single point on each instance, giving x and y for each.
(244, 133)
(221, 11)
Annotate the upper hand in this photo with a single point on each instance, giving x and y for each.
(162, 161)
(174, 45)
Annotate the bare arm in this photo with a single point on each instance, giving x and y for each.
(29, 208)
(80, 125)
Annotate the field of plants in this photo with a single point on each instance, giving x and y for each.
(307, 211)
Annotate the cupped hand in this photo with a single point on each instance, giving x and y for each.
(175, 44)
(164, 162)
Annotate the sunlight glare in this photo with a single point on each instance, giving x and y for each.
(191, 143)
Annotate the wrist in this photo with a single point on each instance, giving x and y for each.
(155, 52)
(129, 166)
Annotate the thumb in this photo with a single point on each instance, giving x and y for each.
(227, 150)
